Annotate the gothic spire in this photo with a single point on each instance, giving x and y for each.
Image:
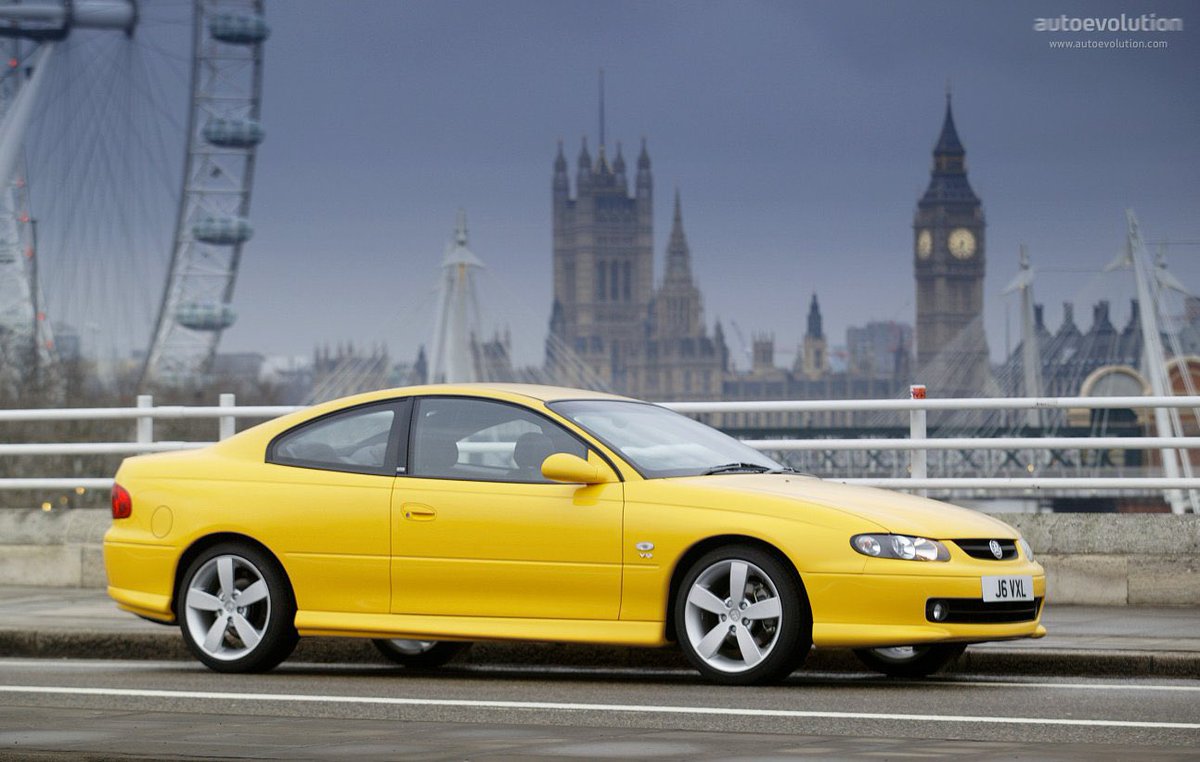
(814, 319)
(948, 181)
(679, 266)
(948, 143)
(560, 161)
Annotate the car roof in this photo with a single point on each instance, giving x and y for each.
(535, 391)
(498, 390)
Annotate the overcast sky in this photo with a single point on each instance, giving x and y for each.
(798, 133)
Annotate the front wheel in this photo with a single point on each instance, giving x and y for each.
(741, 617)
(910, 661)
(420, 654)
(236, 610)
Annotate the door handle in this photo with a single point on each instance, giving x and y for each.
(417, 512)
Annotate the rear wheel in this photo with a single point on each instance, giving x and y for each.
(420, 654)
(236, 610)
(741, 617)
(910, 661)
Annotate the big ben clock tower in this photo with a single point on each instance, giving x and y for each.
(948, 258)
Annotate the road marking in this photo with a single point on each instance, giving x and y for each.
(1071, 686)
(576, 707)
(120, 665)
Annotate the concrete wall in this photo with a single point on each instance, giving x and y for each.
(59, 548)
(1116, 559)
(1102, 559)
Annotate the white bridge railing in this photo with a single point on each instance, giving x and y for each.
(918, 444)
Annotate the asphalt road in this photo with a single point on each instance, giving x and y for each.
(116, 710)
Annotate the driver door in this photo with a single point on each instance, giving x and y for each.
(478, 531)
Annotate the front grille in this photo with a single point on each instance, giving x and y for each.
(977, 611)
(982, 549)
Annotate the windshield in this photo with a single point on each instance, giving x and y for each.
(659, 442)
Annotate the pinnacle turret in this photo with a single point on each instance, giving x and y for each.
(602, 167)
(585, 158)
(619, 167)
(561, 185)
(560, 161)
(645, 181)
(583, 174)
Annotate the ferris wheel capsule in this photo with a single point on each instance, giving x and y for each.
(234, 133)
(205, 316)
(222, 231)
(238, 28)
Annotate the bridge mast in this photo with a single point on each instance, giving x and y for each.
(1031, 355)
(452, 359)
(1153, 361)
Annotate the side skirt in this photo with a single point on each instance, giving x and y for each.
(417, 627)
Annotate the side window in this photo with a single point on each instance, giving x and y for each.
(355, 440)
(481, 440)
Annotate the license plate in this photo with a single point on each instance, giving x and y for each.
(1004, 588)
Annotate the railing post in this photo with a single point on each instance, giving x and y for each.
(145, 423)
(226, 424)
(917, 430)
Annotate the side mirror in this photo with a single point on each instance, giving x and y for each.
(572, 469)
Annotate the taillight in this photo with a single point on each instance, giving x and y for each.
(122, 502)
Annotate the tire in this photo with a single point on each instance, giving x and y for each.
(771, 632)
(910, 661)
(420, 654)
(236, 609)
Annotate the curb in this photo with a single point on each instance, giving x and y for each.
(168, 646)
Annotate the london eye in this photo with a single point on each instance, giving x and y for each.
(128, 136)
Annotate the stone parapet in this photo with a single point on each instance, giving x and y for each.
(1090, 558)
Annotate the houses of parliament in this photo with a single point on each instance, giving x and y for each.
(612, 326)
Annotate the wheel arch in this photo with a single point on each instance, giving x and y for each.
(211, 540)
(690, 556)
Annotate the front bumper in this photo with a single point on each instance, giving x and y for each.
(875, 610)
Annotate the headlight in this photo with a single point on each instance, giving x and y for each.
(1025, 549)
(899, 546)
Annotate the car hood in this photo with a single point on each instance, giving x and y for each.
(895, 512)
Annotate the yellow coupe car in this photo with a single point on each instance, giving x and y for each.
(429, 517)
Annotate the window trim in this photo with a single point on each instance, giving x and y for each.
(405, 470)
(401, 408)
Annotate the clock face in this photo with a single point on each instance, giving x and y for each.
(924, 244)
(962, 243)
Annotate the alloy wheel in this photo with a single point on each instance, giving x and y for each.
(733, 615)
